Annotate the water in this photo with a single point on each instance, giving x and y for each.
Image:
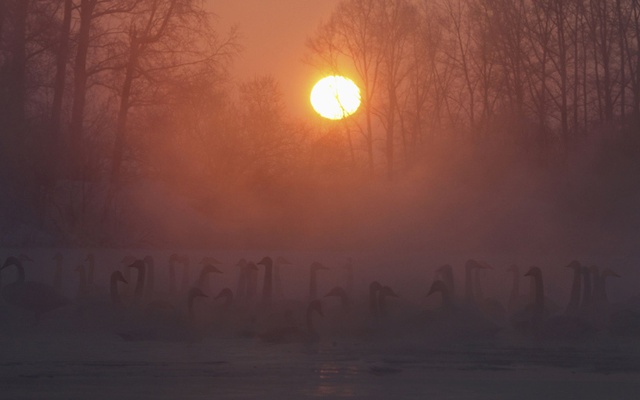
(60, 360)
(67, 366)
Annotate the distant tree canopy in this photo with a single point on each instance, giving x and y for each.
(101, 96)
(535, 75)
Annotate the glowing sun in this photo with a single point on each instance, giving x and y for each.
(335, 97)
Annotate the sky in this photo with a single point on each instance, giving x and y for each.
(273, 38)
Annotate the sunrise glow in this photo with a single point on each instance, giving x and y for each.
(335, 97)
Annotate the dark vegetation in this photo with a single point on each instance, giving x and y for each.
(486, 125)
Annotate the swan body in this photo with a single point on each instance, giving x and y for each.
(292, 333)
(34, 297)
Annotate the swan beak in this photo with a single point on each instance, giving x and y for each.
(573, 264)
(212, 268)
(485, 265)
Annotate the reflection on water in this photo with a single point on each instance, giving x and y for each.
(69, 367)
(336, 380)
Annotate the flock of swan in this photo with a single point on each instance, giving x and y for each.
(133, 307)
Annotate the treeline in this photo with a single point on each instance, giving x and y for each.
(78, 80)
(107, 103)
(536, 76)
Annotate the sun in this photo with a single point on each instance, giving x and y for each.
(335, 97)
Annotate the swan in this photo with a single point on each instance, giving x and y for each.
(173, 260)
(291, 332)
(456, 322)
(469, 268)
(340, 293)
(349, 281)
(267, 287)
(576, 289)
(445, 274)
(374, 288)
(126, 261)
(86, 288)
(277, 277)
(91, 264)
(517, 301)
(555, 328)
(383, 293)
(202, 282)
(34, 297)
(210, 265)
(169, 325)
(57, 272)
(149, 284)
(138, 291)
(116, 276)
(313, 279)
(186, 272)
(251, 271)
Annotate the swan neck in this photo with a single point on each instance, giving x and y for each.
(468, 286)
(576, 288)
(267, 287)
(313, 285)
(515, 288)
(82, 284)
(139, 290)
(113, 290)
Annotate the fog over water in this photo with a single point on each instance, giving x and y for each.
(177, 223)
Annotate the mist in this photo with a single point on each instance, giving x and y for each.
(176, 221)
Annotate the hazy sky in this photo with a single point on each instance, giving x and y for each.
(273, 37)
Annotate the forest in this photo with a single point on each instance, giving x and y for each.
(485, 125)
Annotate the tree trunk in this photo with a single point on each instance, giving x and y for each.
(75, 154)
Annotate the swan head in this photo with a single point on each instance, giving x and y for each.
(266, 261)
(437, 286)
(282, 261)
(387, 291)
(472, 264)
(11, 260)
(117, 276)
(148, 260)
(574, 265)
(210, 269)
(224, 293)
(128, 260)
(609, 272)
(316, 266)
(534, 272)
(251, 267)
(336, 291)
(375, 286)
(209, 260)
(444, 269)
(137, 264)
(316, 306)
(195, 292)
(485, 265)
(23, 257)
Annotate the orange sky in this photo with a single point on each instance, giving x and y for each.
(273, 37)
